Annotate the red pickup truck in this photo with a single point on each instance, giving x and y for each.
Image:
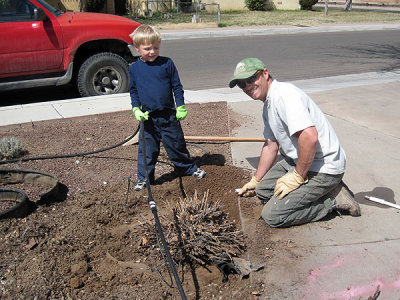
(41, 46)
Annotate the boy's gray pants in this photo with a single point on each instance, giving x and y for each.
(308, 203)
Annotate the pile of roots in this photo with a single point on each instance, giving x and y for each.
(197, 232)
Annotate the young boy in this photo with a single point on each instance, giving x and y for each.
(155, 89)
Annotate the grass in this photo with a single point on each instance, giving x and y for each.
(275, 17)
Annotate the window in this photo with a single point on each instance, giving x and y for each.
(16, 11)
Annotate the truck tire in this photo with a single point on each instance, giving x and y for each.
(102, 74)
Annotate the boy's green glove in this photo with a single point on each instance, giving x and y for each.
(139, 115)
(181, 112)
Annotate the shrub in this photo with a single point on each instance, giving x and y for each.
(255, 4)
(11, 147)
(133, 7)
(307, 4)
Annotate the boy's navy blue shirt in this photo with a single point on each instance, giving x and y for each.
(153, 85)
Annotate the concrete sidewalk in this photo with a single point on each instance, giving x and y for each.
(345, 257)
(341, 258)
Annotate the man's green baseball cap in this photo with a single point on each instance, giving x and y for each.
(246, 68)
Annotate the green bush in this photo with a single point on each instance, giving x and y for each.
(255, 4)
(307, 4)
(11, 147)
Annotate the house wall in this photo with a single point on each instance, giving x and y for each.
(228, 4)
(286, 4)
(65, 5)
(73, 5)
(240, 4)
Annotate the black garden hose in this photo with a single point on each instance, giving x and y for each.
(9, 161)
(153, 208)
(68, 155)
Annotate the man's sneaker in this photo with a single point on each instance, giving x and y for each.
(199, 173)
(344, 200)
(140, 185)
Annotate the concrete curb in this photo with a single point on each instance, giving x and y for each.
(362, 4)
(221, 32)
(61, 109)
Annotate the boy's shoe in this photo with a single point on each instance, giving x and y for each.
(199, 173)
(140, 185)
(344, 200)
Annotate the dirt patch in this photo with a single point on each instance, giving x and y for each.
(86, 244)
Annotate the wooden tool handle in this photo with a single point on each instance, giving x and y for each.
(224, 139)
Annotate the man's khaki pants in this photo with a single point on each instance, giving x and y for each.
(308, 203)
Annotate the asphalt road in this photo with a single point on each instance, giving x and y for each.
(209, 63)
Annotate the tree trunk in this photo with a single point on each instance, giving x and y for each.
(326, 7)
(348, 4)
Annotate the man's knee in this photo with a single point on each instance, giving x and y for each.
(271, 216)
(263, 193)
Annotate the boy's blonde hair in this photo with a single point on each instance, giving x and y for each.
(145, 33)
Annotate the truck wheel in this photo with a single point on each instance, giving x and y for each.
(102, 74)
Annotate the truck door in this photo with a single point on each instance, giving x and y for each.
(28, 46)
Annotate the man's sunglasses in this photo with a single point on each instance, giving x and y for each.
(243, 82)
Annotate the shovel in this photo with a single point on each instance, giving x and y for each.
(135, 139)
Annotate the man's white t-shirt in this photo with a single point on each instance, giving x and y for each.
(288, 110)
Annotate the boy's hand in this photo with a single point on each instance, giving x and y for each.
(139, 115)
(181, 112)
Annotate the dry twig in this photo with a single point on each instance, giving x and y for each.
(197, 231)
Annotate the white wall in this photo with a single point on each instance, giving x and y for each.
(240, 4)
(229, 4)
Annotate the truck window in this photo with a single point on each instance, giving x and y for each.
(53, 10)
(16, 11)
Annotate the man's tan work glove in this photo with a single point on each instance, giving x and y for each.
(139, 115)
(288, 183)
(249, 189)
